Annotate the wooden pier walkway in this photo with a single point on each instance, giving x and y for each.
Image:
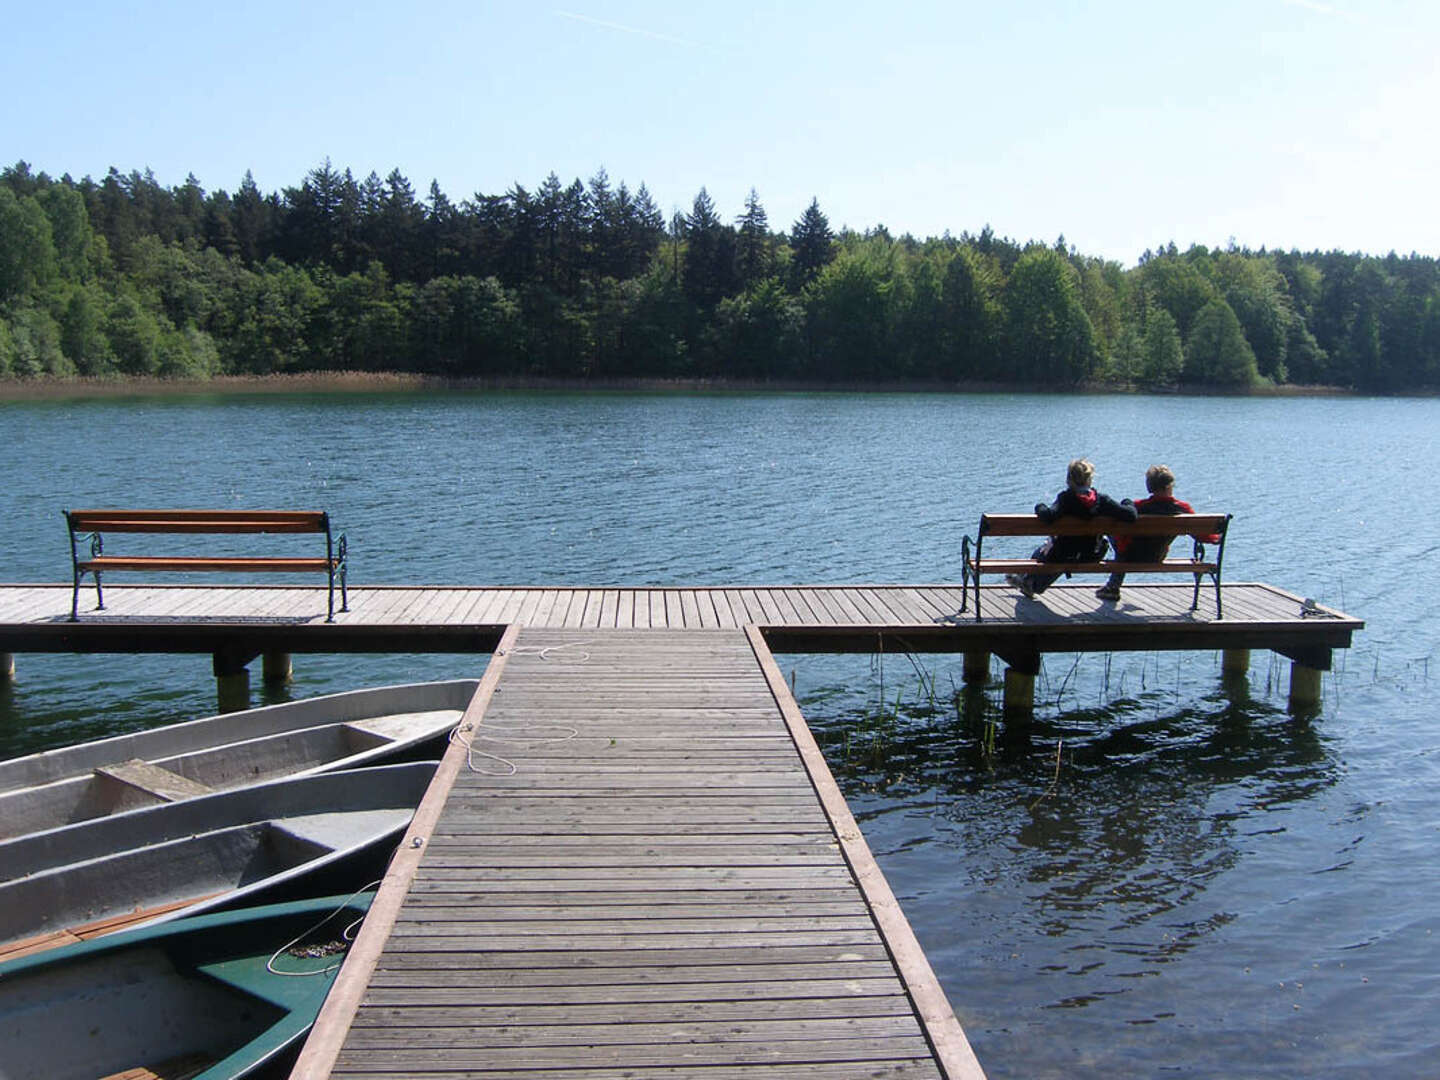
(635, 863)
(822, 618)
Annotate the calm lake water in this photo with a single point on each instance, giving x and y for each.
(1160, 874)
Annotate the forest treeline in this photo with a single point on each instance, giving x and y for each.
(591, 281)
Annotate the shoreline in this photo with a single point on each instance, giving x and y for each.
(370, 382)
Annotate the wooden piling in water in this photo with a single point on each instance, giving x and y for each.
(977, 667)
(1304, 687)
(276, 668)
(1019, 691)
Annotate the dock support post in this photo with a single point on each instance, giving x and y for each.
(977, 667)
(7, 666)
(277, 668)
(1304, 688)
(1235, 662)
(232, 679)
(232, 691)
(1019, 691)
(1022, 664)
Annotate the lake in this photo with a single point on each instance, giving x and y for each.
(1161, 873)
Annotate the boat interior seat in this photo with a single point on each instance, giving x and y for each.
(140, 783)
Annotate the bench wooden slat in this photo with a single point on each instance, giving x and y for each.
(199, 521)
(196, 526)
(1145, 525)
(198, 563)
(1110, 566)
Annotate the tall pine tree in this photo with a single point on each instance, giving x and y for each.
(811, 246)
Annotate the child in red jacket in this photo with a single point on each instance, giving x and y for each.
(1160, 482)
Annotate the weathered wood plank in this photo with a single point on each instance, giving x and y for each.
(822, 1046)
(404, 1014)
(890, 1069)
(757, 984)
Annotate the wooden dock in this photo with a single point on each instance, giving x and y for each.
(249, 620)
(634, 861)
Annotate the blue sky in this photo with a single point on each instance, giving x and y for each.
(1122, 125)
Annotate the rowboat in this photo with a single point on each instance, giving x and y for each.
(219, 753)
(208, 998)
(281, 840)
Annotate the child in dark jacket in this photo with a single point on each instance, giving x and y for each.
(1079, 499)
(1160, 483)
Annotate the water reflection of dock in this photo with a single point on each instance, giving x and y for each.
(634, 858)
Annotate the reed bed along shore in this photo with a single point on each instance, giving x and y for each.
(370, 382)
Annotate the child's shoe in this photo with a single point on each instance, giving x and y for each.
(1108, 592)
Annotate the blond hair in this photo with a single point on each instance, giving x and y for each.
(1080, 473)
(1158, 478)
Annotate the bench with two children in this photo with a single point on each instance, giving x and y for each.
(1080, 526)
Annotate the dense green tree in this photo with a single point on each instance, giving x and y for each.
(274, 324)
(1178, 285)
(358, 325)
(77, 256)
(21, 179)
(466, 326)
(1162, 354)
(134, 335)
(759, 332)
(969, 341)
(652, 333)
(35, 344)
(444, 237)
(754, 249)
(917, 301)
(1048, 337)
(217, 230)
(188, 202)
(399, 228)
(253, 221)
(849, 316)
(82, 331)
(1216, 352)
(27, 252)
(1101, 286)
(1259, 295)
(811, 246)
(644, 229)
(1127, 356)
(189, 353)
(709, 272)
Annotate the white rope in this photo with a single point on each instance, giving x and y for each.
(347, 935)
(468, 735)
(545, 652)
(460, 735)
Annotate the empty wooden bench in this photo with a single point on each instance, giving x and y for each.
(88, 529)
(1199, 527)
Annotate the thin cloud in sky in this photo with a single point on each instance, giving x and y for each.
(1323, 9)
(627, 29)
